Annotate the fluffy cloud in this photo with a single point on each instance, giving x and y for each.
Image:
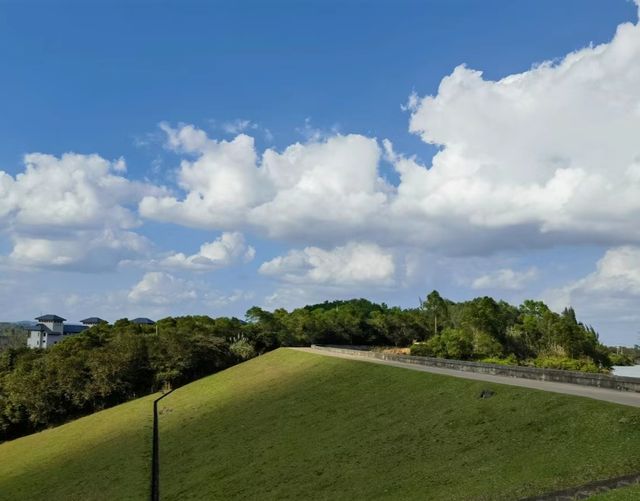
(539, 158)
(160, 288)
(80, 250)
(239, 125)
(552, 151)
(617, 274)
(221, 184)
(506, 279)
(225, 250)
(164, 293)
(74, 211)
(73, 191)
(322, 191)
(609, 296)
(352, 264)
(290, 296)
(309, 191)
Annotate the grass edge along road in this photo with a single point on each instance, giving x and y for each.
(629, 398)
(631, 493)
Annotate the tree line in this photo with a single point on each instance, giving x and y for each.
(479, 329)
(110, 364)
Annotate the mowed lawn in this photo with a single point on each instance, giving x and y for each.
(293, 425)
(105, 456)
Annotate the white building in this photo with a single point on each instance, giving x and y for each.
(51, 329)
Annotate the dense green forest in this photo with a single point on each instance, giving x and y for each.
(110, 364)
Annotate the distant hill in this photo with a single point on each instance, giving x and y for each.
(25, 323)
(292, 425)
(12, 335)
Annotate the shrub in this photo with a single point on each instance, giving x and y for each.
(242, 348)
(433, 347)
(452, 343)
(565, 363)
(510, 360)
(486, 346)
(420, 350)
(620, 359)
(458, 344)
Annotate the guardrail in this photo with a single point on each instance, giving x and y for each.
(620, 383)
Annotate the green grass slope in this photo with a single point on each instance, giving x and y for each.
(292, 425)
(105, 456)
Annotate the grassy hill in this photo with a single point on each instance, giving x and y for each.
(104, 456)
(292, 425)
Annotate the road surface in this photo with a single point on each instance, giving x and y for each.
(617, 397)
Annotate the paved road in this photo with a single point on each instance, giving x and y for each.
(617, 397)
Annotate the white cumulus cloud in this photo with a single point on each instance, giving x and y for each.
(230, 247)
(545, 157)
(71, 191)
(238, 125)
(74, 211)
(617, 273)
(352, 264)
(221, 183)
(505, 278)
(80, 250)
(609, 296)
(160, 288)
(550, 154)
(309, 191)
(163, 293)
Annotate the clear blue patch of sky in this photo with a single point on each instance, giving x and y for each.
(89, 76)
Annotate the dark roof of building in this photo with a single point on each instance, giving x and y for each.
(93, 321)
(143, 320)
(74, 329)
(50, 318)
(41, 328)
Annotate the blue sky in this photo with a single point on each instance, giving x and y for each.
(335, 78)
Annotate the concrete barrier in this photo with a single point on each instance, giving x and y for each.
(619, 383)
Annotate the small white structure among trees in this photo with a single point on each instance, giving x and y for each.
(51, 329)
